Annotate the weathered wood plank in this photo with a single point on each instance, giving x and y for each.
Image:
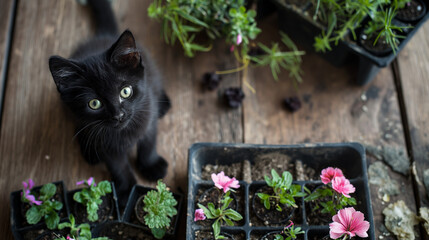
(414, 71)
(37, 131)
(333, 110)
(6, 18)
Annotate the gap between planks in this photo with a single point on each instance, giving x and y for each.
(407, 135)
(6, 57)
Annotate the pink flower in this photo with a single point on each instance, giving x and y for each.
(89, 182)
(239, 39)
(26, 192)
(69, 238)
(348, 221)
(224, 182)
(32, 200)
(329, 173)
(28, 185)
(199, 215)
(343, 186)
(232, 48)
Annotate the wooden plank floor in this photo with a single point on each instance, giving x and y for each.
(36, 139)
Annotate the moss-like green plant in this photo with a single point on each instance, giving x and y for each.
(160, 208)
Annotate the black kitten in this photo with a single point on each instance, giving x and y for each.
(116, 93)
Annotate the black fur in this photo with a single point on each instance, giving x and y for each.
(100, 69)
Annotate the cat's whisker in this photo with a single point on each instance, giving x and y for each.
(89, 124)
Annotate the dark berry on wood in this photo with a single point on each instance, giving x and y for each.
(292, 104)
(234, 97)
(211, 80)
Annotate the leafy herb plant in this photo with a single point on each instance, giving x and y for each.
(80, 232)
(222, 214)
(284, 192)
(45, 207)
(334, 195)
(91, 196)
(183, 20)
(160, 208)
(343, 16)
(289, 233)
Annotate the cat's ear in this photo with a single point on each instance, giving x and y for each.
(62, 71)
(124, 52)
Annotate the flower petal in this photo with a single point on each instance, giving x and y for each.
(30, 183)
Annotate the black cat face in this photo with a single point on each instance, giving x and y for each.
(106, 89)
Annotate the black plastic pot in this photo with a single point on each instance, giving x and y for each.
(113, 211)
(350, 157)
(300, 26)
(19, 227)
(130, 217)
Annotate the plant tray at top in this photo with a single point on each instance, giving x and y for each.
(298, 23)
(241, 161)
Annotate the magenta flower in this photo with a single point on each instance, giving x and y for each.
(29, 185)
(239, 39)
(88, 182)
(350, 222)
(69, 238)
(343, 186)
(330, 173)
(224, 182)
(26, 192)
(199, 215)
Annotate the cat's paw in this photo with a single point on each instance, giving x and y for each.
(156, 171)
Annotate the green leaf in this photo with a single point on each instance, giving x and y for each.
(206, 211)
(33, 215)
(158, 233)
(234, 215)
(48, 191)
(57, 205)
(263, 196)
(52, 220)
(267, 204)
(216, 228)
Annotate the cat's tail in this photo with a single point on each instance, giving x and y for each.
(104, 17)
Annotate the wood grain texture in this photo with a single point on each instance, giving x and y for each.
(414, 71)
(332, 111)
(6, 12)
(37, 131)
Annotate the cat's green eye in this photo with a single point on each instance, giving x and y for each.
(94, 104)
(126, 92)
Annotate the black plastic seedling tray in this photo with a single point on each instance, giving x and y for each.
(300, 26)
(349, 157)
(130, 218)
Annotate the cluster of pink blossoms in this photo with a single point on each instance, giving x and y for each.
(339, 183)
(222, 182)
(26, 192)
(348, 221)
